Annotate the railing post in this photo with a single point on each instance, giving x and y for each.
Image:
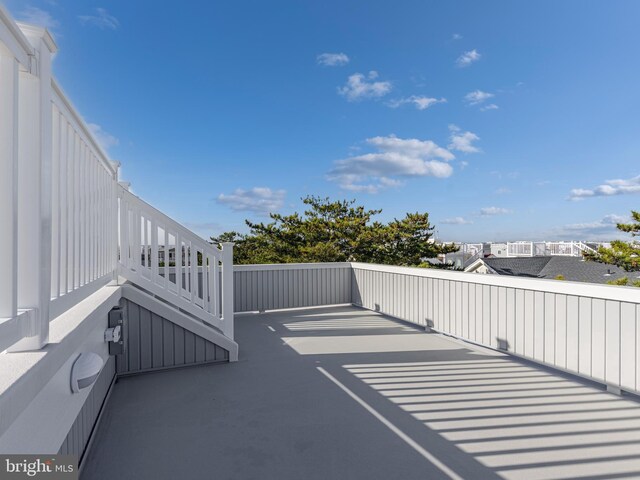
(34, 190)
(227, 288)
(8, 185)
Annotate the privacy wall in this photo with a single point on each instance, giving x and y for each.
(586, 329)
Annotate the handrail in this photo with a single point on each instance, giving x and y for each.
(64, 104)
(14, 40)
(200, 282)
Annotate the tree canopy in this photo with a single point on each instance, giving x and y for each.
(336, 231)
(623, 254)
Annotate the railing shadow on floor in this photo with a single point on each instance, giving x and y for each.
(514, 418)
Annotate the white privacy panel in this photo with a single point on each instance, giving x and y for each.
(590, 330)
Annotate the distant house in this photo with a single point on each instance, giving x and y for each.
(568, 268)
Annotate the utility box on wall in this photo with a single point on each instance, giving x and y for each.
(115, 333)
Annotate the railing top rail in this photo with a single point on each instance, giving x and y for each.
(291, 266)
(167, 221)
(603, 291)
(63, 102)
(13, 39)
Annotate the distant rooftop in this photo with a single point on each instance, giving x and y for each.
(571, 268)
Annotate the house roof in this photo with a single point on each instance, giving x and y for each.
(571, 268)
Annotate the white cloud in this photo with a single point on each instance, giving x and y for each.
(456, 221)
(332, 59)
(102, 19)
(456, 36)
(359, 87)
(477, 96)
(105, 139)
(395, 158)
(609, 188)
(420, 101)
(467, 58)
(608, 222)
(260, 200)
(491, 106)
(462, 141)
(502, 191)
(489, 211)
(38, 17)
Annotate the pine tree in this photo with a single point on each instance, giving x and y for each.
(623, 254)
(336, 231)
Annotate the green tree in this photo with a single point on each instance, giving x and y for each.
(336, 231)
(623, 254)
(624, 281)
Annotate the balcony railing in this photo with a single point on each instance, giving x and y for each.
(530, 249)
(68, 227)
(588, 330)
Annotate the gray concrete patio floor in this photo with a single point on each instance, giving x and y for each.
(342, 393)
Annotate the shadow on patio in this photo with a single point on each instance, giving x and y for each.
(344, 393)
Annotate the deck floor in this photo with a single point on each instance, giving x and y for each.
(342, 393)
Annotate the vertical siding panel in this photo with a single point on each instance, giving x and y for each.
(501, 337)
(494, 316)
(134, 337)
(573, 333)
(422, 310)
(637, 323)
(209, 351)
(429, 302)
(612, 342)
(167, 342)
(538, 322)
(156, 341)
(282, 282)
(446, 306)
(584, 333)
(178, 345)
(510, 308)
(478, 312)
(145, 338)
(561, 331)
(628, 346)
(471, 310)
(458, 308)
(598, 351)
(189, 347)
(219, 353)
(239, 291)
(486, 314)
(465, 309)
(549, 327)
(518, 322)
(199, 349)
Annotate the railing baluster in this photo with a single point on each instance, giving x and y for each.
(166, 257)
(193, 282)
(205, 282)
(154, 250)
(178, 262)
(214, 290)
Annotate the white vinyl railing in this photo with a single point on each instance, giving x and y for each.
(529, 249)
(520, 249)
(84, 208)
(25, 184)
(59, 211)
(200, 281)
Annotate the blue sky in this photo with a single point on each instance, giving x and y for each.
(504, 120)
